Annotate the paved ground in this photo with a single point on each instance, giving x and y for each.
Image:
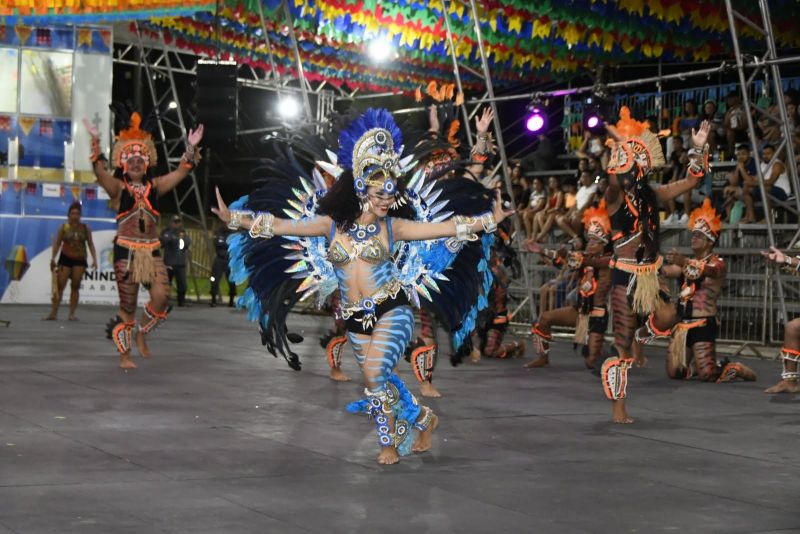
(213, 435)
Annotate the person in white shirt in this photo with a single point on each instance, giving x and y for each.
(571, 221)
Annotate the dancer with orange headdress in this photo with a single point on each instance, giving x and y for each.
(692, 350)
(590, 315)
(137, 258)
(636, 288)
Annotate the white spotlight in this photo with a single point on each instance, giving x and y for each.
(380, 49)
(288, 107)
(172, 105)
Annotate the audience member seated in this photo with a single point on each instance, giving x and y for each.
(717, 132)
(734, 123)
(537, 202)
(544, 220)
(689, 119)
(571, 222)
(740, 184)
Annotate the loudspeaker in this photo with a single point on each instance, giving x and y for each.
(217, 101)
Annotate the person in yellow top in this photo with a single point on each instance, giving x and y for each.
(72, 238)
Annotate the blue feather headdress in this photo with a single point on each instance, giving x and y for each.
(371, 147)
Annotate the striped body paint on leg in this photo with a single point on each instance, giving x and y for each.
(623, 320)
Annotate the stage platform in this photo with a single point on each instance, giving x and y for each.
(213, 435)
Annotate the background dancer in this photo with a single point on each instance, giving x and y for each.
(790, 353)
(73, 238)
(590, 314)
(692, 350)
(137, 259)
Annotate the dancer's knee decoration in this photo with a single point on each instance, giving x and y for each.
(121, 333)
(790, 355)
(649, 331)
(154, 318)
(615, 377)
(334, 351)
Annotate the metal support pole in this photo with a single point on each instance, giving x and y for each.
(298, 60)
(451, 45)
(274, 74)
(751, 132)
(501, 149)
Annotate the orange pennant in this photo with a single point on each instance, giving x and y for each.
(23, 33)
(84, 37)
(27, 124)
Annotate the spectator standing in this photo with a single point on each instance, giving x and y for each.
(688, 120)
(710, 114)
(220, 267)
(175, 243)
(541, 159)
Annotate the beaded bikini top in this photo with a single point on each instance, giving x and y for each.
(366, 245)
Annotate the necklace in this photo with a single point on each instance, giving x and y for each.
(359, 233)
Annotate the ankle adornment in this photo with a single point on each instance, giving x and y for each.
(615, 377)
(120, 333)
(333, 349)
(423, 360)
(790, 355)
(424, 422)
(154, 318)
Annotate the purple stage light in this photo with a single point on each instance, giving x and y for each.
(593, 121)
(535, 121)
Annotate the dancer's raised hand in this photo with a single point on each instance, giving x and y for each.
(195, 136)
(482, 123)
(699, 137)
(91, 128)
(221, 210)
(773, 254)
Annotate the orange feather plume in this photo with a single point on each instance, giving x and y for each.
(706, 215)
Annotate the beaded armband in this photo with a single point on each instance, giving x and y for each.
(693, 269)
(237, 216)
(488, 223)
(575, 260)
(464, 226)
(262, 226)
(698, 163)
(190, 157)
(792, 265)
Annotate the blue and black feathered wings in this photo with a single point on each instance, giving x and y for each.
(282, 270)
(453, 284)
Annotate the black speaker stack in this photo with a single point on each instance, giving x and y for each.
(217, 103)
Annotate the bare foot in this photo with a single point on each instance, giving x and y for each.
(50, 317)
(640, 361)
(141, 345)
(541, 361)
(338, 375)
(732, 371)
(425, 438)
(475, 355)
(73, 318)
(784, 386)
(426, 389)
(125, 361)
(619, 414)
(388, 456)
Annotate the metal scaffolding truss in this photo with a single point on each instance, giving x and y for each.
(766, 64)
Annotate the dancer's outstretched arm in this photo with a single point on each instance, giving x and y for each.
(317, 226)
(405, 230)
(168, 182)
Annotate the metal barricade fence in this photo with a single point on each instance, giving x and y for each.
(747, 309)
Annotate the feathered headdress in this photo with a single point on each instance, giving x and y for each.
(637, 144)
(371, 147)
(133, 142)
(597, 223)
(705, 219)
(446, 100)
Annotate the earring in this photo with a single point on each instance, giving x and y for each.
(365, 206)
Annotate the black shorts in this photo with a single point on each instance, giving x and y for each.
(598, 325)
(66, 261)
(705, 333)
(353, 325)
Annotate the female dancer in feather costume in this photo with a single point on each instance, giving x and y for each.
(344, 237)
